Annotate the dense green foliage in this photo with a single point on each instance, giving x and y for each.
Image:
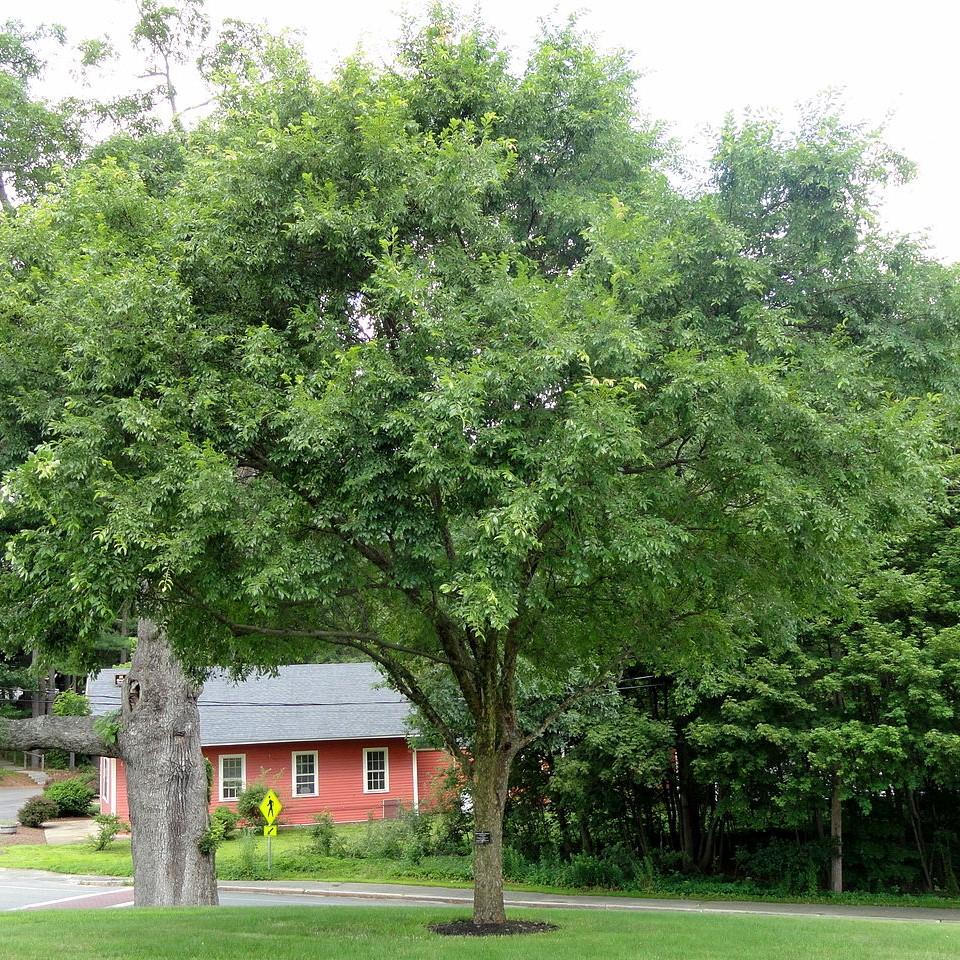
(229, 820)
(71, 796)
(248, 804)
(37, 810)
(108, 828)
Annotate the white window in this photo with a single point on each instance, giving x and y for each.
(233, 776)
(305, 774)
(376, 770)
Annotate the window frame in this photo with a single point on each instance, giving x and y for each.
(293, 773)
(386, 769)
(242, 757)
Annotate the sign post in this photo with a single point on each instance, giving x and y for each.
(270, 807)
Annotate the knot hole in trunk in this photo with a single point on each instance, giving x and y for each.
(133, 695)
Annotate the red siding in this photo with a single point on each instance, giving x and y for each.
(341, 777)
(433, 767)
(120, 793)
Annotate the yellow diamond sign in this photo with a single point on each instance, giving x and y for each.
(270, 806)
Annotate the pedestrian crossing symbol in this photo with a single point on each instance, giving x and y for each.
(270, 807)
(270, 830)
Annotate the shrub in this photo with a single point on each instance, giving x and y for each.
(90, 775)
(56, 759)
(249, 865)
(584, 870)
(785, 865)
(70, 704)
(71, 796)
(411, 836)
(38, 810)
(323, 835)
(229, 820)
(215, 834)
(379, 840)
(248, 804)
(110, 826)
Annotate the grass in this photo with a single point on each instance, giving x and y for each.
(352, 933)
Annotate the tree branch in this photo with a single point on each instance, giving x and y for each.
(569, 701)
(73, 734)
(345, 638)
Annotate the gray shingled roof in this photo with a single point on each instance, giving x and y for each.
(313, 701)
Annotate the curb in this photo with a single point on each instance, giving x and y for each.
(229, 887)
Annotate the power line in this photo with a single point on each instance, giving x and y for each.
(111, 701)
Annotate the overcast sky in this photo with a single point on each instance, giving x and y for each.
(893, 62)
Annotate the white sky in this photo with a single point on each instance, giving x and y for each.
(894, 62)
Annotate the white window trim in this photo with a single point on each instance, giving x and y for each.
(386, 769)
(293, 773)
(242, 757)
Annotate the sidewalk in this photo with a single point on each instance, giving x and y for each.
(74, 830)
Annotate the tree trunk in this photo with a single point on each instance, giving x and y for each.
(491, 773)
(166, 778)
(917, 824)
(836, 838)
(689, 820)
(159, 741)
(37, 705)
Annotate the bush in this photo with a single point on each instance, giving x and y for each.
(229, 820)
(248, 805)
(110, 826)
(785, 865)
(323, 836)
(215, 834)
(411, 836)
(38, 810)
(56, 759)
(249, 866)
(71, 796)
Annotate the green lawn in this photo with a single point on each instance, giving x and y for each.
(361, 933)
(290, 858)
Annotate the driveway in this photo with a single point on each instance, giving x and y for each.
(12, 799)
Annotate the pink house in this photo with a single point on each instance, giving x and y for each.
(326, 737)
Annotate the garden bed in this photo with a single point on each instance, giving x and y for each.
(23, 836)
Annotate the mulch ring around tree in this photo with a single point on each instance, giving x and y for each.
(467, 928)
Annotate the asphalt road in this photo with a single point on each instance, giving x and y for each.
(12, 799)
(27, 890)
(35, 890)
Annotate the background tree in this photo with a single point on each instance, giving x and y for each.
(36, 136)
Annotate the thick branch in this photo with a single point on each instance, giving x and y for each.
(346, 638)
(5, 201)
(73, 734)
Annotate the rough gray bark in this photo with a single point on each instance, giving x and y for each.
(490, 779)
(60, 733)
(159, 742)
(167, 788)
